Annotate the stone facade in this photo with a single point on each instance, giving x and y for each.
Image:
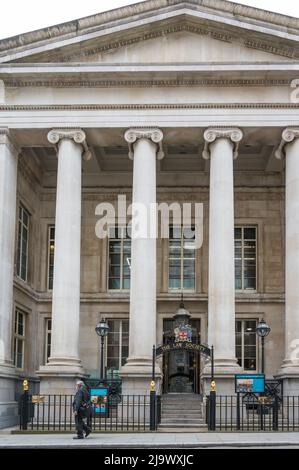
(182, 68)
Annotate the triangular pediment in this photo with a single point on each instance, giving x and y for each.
(176, 46)
(163, 31)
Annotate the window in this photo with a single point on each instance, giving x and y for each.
(19, 339)
(23, 238)
(48, 332)
(246, 344)
(119, 259)
(245, 258)
(51, 249)
(181, 259)
(117, 346)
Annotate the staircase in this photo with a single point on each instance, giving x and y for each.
(181, 411)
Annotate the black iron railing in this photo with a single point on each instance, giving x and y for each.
(254, 413)
(55, 413)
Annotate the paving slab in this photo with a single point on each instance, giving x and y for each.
(151, 440)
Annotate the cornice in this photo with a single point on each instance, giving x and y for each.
(101, 107)
(214, 33)
(102, 20)
(145, 83)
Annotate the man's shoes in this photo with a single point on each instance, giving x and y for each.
(78, 437)
(87, 432)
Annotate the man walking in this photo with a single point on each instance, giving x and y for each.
(82, 410)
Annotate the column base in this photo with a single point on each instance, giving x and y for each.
(224, 376)
(137, 375)
(289, 373)
(8, 405)
(59, 376)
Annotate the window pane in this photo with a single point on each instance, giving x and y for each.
(250, 233)
(249, 364)
(189, 233)
(20, 324)
(238, 233)
(174, 283)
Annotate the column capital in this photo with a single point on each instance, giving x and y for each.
(153, 134)
(5, 139)
(77, 135)
(234, 134)
(288, 135)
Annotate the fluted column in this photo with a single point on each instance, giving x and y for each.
(145, 146)
(221, 146)
(289, 149)
(8, 193)
(64, 359)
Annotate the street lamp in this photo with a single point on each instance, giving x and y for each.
(102, 329)
(262, 330)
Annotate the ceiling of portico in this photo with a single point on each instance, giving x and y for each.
(183, 151)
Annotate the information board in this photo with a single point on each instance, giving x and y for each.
(250, 383)
(98, 397)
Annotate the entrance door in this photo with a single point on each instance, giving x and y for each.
(181, 369)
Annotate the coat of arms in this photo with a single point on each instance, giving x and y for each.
(183, 333)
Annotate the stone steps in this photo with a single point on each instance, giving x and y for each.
(181, 411)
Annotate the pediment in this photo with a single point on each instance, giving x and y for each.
(175, 46)
(175, 32)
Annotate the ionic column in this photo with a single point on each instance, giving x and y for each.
(8, 192)
(289, 149)
(221, 146)
(8, 195)
(64, 360)
(145, 146)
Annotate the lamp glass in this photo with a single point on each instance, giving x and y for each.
(263, 329)
(102, 328)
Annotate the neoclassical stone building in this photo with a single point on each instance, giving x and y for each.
(163, 78)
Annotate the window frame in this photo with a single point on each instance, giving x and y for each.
(47, 344)
(121, 240)
(181, 288)
(19, 253)
(49, 239)
(243, 320)
(17, 337)
(242, 228)
(120, 343)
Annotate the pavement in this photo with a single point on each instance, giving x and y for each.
(153, 440)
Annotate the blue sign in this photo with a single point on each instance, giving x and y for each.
(98, 397)
(250, 383)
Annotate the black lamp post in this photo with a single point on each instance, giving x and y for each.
(262, 330)
(102, 329)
